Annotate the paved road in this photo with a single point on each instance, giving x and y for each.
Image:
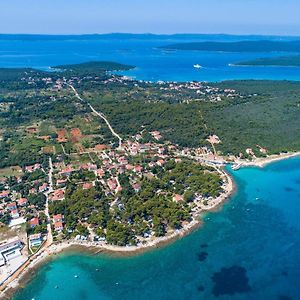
(50, 181)
(204, 160)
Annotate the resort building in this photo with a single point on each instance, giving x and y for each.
(35, 240)
(10, 250)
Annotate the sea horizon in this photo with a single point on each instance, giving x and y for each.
(151, 62)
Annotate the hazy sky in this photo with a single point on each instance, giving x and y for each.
(156, 16)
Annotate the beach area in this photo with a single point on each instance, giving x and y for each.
(263, 161)
(46, 253)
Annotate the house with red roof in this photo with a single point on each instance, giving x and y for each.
(61, 182)
(177, 198)
(12, 206)
(156, 135)
(32, 168)
(22, 202)
(129, 167)
(34, 222)
(138, 169)
(67, 171)
(89, 167)
(87, 185)
(57, 195)
(136, 187)
(100, 173)
(160, 162)
(43, 187)
(4, 194)
(58, 226)
(112, 184)
(58, 218)
(100, 147)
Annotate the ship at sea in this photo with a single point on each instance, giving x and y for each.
(197, 66)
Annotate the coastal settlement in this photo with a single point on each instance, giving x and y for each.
(122, 193)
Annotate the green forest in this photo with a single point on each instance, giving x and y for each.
(266, 113)
(138, 213)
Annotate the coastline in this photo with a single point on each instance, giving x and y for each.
(263, 161)
(262, 66)
(95, 248)
(34, 264)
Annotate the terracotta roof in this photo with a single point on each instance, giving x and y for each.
(177, 198)
(34, 222)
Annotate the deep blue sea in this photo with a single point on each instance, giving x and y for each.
(141, 51)
(250, 249)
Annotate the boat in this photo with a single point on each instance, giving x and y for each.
(197, 66)
(236, 167)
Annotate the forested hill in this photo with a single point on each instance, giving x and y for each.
(93, 67)
(243, 114)
(81, 69)
(242, 46)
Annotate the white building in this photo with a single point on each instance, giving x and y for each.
(10, 250)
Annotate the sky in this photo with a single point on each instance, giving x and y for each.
(274, 17)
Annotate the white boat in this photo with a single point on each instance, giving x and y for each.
(197, 66)
(236, 167)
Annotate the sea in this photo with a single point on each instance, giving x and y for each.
(143, 51)
(248, 249)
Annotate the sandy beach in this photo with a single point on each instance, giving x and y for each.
(22, 276)
(263, 161)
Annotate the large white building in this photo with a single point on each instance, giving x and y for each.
(11, 258)
(10, 250)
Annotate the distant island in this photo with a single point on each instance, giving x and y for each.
(242, 46)
(283, 61)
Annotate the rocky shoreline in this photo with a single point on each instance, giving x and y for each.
(30, 270)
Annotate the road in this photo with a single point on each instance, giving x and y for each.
(220, 162)
(100, 114)
(49, 241)
(50, 190)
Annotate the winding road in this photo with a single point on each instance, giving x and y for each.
(100, 114)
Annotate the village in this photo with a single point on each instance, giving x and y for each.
(35, 198)
(25, 199)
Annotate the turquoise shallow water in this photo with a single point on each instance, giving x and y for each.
(151, 62)
(248, 250)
